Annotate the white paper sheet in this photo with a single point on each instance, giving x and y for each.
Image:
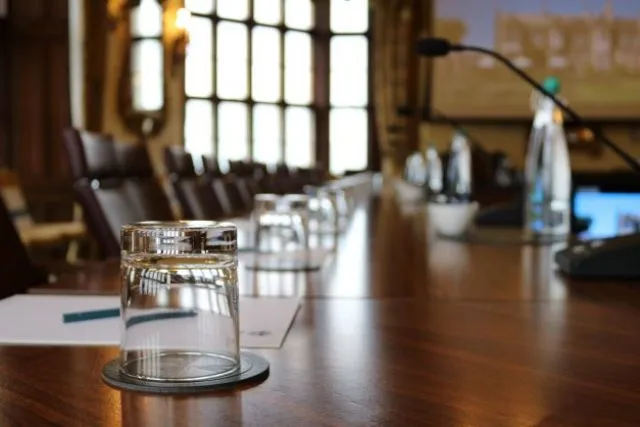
(37, 320)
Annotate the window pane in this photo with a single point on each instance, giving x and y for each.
(147, 75)
(266, 64)
(298, 14)
(146, 19)
(349, 72)
(349, 16)
(267, 11)
(199, 61)
(299, 148)
(297, 46)
(232, 131)
(200, 6)
(234, 9)
(348, 133)
(298, 86)
(232, 60)
(198, 126)
(267, 134)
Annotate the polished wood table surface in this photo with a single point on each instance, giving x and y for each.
(401, 328)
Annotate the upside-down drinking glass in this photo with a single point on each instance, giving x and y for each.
(334, 208)
(179, 305)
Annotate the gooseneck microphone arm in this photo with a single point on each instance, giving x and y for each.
(441, 47)
(456, 125)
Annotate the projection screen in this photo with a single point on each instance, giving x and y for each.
(592, 46)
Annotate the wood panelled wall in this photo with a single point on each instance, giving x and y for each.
(398, 78)
(4, 92)
(34, 72)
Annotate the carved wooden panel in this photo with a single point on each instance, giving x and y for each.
(397, 75)
(4, 92)
(38, 102)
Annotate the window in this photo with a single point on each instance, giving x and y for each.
(349, 86)
(147, 57)
(250, 81)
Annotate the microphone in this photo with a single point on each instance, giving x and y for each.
(614, 257)
(436, 47)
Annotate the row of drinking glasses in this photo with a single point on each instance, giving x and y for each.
(289, 220)
(179, 308)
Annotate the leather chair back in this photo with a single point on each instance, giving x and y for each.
(211, 167)
(234, 190)
(91, 155)
(193, 193)
(140, 182)
(100, 188)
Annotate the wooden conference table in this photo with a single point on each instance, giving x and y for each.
(401, 329)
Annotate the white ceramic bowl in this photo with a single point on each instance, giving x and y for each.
(451, 219)
(407, 192)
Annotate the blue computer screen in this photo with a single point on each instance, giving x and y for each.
(610, 214)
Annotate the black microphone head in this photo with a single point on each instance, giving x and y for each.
(434, 46)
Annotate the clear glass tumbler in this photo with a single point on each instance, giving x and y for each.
(264, 217)
(295, 207)
(335, 208)
(179, 306)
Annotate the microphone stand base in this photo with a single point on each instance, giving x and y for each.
(613, 258)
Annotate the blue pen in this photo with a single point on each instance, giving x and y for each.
(84, 316)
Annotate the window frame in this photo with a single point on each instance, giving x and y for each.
(320, 105)
(145, 123)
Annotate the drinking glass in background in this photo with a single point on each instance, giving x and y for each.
(179, 305)
(316, 207)
(296, 208)
(335, 209)
(267, 223)
(264, 219)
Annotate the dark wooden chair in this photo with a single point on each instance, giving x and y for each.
(233, 191)
(106, 202)
(141, 183)
(194, 194)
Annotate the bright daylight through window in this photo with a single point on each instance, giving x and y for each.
(250, 80)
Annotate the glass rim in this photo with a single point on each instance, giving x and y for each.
(295, 197)
(179, 225)
(266, 196)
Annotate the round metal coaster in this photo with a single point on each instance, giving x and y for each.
(253, 370)
(502, 236)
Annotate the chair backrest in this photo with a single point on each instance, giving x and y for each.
(179, 162)
(107, 206)
(141, 183)
(133, 160)
(14, 200)
(193, 193)
(16, 269)
(211, 166)
(91, 155)
(234, 190)
(100, 189)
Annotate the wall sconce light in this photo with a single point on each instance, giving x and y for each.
(117, 11)
(181, 38)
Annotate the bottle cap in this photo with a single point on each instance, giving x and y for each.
(552, 84)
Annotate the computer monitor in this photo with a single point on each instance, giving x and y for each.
(608, 210)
